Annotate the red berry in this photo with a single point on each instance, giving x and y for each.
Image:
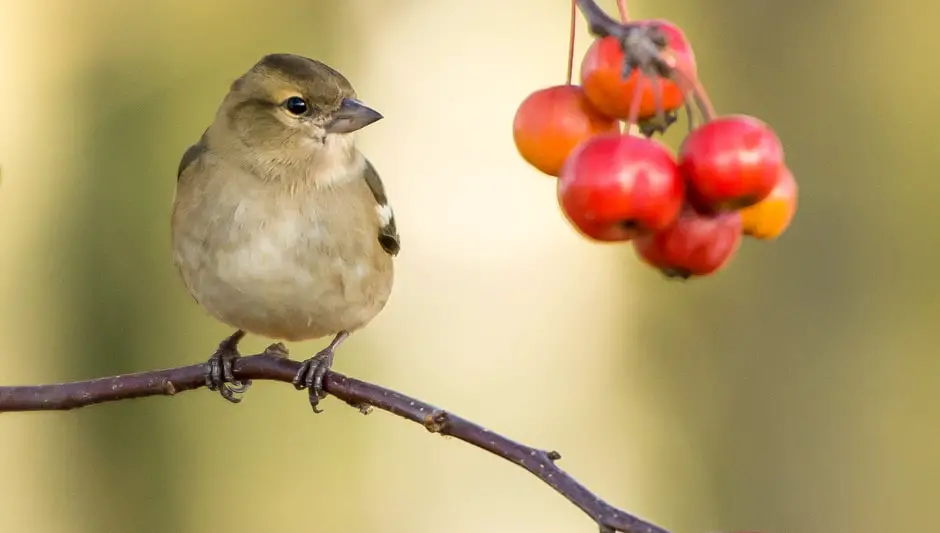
(730, 163)
(612, 94)
(551, 122)
(695, 245)
(615, 187)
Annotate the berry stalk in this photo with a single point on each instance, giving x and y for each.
(624, 11)
(631, 126)
(573, 17)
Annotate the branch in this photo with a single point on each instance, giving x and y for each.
(540, 463)
(600, 24)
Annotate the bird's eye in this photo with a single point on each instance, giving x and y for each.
(295, 105)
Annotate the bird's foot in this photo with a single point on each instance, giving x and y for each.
(219, 374)
(313, 370)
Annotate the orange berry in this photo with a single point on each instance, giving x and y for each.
(551, 122)
(769, 218)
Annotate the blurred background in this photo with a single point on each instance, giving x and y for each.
(796, 391)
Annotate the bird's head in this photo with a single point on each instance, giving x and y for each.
(291, 105)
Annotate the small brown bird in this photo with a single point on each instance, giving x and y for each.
(280, 226)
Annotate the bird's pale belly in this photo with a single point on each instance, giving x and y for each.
(285, 282)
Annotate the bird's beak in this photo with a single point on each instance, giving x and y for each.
(351, 116)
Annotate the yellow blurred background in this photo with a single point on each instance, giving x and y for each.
(795, 392)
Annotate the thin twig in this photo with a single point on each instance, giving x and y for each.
(360, 394)
(642, 44)
(600, 24)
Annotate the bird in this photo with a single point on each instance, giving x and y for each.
(280, 226)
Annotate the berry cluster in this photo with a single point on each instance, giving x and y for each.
(686, 213)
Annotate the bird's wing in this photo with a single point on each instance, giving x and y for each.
(191, 155)
(388, 231)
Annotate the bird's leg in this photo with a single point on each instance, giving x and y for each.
(219, 374)
(311, 373)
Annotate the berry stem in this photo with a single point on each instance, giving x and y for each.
(624, 11)
(634, 114)
(687, 96)
(571, 35)
(702, 99)
(689, 83)
(658, 99)
(629, 126)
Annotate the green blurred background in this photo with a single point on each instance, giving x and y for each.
(794, 392)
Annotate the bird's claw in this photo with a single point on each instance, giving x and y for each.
(313, 371)
(219, 373)
(311, 374)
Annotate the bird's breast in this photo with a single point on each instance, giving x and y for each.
(288, 266)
